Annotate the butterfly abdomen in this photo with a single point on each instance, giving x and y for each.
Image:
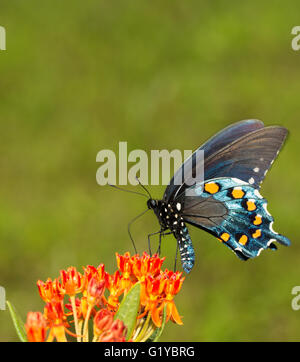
(186, 248)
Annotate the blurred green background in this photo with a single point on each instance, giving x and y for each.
(78, 77)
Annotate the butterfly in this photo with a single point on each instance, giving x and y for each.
(227, 203)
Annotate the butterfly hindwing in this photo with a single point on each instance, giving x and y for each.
(234, 212)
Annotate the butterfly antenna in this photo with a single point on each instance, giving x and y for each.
(133, 192)
(144, 188)
(133, 243)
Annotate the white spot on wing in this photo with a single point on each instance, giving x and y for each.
(251, 181)
(238, 181)
(256, 169)
(256, 193)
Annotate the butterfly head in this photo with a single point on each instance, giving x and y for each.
(157, 207)
(152, 204)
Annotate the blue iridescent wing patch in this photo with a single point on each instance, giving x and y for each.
(234, 212)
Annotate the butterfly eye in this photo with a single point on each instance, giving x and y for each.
(151, 203)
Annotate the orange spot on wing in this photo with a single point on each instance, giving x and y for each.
(225, 236)
(211, 187)
(251, 206)
(243, 239)
(257, 220)
(257, 234)
(237, 193)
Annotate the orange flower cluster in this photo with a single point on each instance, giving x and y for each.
(158, 287)
(95, 295)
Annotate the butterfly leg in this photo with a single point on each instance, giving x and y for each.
(159, 242)
(149, 243)
(177, 246)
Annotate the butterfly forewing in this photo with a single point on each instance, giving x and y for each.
(212, 146)
(248, 158)
(234, 153)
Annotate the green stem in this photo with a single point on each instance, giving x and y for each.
(73, 302)
(86, 324)
(148, 334)
(145, 326)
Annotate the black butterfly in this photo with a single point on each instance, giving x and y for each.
(227, 203)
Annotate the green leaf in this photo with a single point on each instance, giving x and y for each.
(157, 333)
(18, 323)
(128, 309)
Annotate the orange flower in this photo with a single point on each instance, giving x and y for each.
(50, 290)
(53, 312)
(146, 265)
(172, 287)
(125, 266)
(152, 298)
(90, 272)
(95, 291)
(174, 282)
(57, 320)
(116, 333)
(72, 282)
(36, 327)
(103, 321)
(114, 285)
